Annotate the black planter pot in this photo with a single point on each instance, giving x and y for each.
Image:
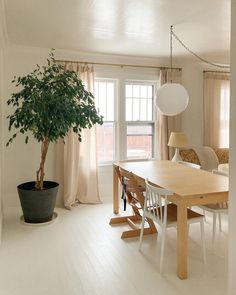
(38, 205)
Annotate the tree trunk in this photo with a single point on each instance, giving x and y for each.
(40, 171)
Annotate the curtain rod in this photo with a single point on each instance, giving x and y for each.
(223, 72)
(119, 65)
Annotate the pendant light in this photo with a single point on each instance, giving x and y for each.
(171, 98)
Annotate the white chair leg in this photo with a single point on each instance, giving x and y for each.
(214, 231)
(203, 241)
(141, 233)
(163, 238)
(204, 215)
(220, 225)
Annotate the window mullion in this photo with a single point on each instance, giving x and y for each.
(122, 122)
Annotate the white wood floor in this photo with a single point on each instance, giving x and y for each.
(82, 254)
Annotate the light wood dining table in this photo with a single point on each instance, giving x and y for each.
(190, 186)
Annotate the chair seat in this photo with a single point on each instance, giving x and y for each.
(217, 206)
(172, 213)
(224, 167)
(132, 189)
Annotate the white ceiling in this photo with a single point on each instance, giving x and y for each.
(128, 27)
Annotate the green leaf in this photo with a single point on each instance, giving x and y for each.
(49, 102)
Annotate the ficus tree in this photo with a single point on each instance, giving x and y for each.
(50, 101)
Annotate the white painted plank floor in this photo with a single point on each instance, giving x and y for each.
(80, 253)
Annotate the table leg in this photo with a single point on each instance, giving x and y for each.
(115, 191)
(182, 241)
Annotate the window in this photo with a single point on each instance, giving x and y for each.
(129, 123)
(104, 99)
(216, 109)
(139, 118)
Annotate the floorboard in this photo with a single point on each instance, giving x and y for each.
(80, 253)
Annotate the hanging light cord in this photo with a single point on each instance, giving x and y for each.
(171, 53)
(172, 33)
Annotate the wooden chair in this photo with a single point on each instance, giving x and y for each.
(135, 198)
(158, 209)
(123, 194)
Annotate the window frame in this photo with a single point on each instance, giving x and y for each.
(115, 81)
(152, 122)
(142, 123)
(120, 123)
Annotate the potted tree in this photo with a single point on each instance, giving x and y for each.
(51, 101)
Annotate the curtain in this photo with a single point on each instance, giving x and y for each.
(78, 177)
(216, 109)
(167, 124)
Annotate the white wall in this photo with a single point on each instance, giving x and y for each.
(232, 186)
(21, 161)
(192, 117)
(2, 46)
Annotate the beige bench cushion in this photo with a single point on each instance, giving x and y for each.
(190, 155)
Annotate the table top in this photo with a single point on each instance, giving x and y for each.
(182, 180)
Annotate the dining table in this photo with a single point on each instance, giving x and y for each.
(190, 186)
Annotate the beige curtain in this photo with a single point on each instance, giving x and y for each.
(216, 109)
(167, 124)
(79, 178)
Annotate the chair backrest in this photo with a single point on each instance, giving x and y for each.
(156, 200)
(133, 189)
(189, 164)
(117, 169)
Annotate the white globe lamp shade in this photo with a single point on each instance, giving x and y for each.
(171, 99)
